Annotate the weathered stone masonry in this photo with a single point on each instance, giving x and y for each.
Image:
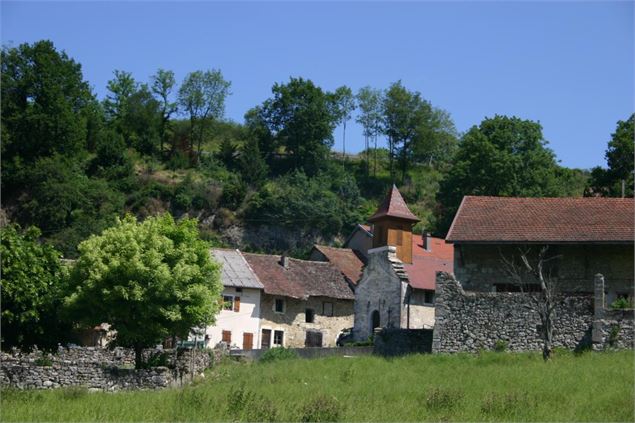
(98, 369)
(470, 321)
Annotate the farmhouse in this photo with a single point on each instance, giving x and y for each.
(238, 323)
(588, 235)
(303, 303)
(397, 285)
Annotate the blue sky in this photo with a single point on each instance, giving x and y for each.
(568, 65)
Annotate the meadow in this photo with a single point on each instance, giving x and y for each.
(485, 387)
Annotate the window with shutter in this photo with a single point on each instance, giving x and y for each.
(236, 304)
(227, 336)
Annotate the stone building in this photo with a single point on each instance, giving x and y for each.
(303, 303)
(238, 322)
(396, 289)
(586, 235)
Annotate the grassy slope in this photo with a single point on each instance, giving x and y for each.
(490, 387)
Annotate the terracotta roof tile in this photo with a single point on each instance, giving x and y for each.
(345, 259)
(425, 264)
(302, 278)
(545, 220)
(394, 206)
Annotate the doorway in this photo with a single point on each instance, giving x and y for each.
(374, 321)
(266, 339)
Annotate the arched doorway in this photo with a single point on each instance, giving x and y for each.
(374, 321)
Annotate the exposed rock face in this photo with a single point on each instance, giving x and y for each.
(273, 238)
(470, 321)
(99, 369)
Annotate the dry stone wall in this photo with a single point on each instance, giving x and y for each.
(99, 369)
(471, 321)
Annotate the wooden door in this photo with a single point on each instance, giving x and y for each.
(313, 339)
(248, 341)
(265, 339)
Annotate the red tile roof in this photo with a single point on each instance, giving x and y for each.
(394, 206)
(544, 220)
(426, 263)
(345, 259)
(302, 278)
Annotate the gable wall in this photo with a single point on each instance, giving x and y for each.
(379, 289)
(246, 320)
(293, 320)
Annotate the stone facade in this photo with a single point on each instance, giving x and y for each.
(293, 320)
(479, 266)
(99, 369)
(470, 321)
(384, 290)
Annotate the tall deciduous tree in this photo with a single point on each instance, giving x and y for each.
(46, 105)
(32, 290)
(202, 95)
(162, 85)
(503, 156)
(370, 101)
(345, 104)
(149, 280)
(301, 117)
(120, 88)
(617, 180)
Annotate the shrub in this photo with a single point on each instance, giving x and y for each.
(501, 345)
(321, 409)
(276, 354)
(442, 399)
(614, 335)
(622, 304)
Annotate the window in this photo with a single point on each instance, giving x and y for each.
(309, 315)
(327, 309)
(428, 297)
(278, 338)
(278, 305)
(228, 302)
(239, 290)
(231, 303)
(227, 336)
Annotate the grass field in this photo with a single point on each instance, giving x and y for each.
(485, 387)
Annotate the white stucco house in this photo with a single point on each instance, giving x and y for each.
(238, 323)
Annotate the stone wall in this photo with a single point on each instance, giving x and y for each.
(479, 267)
(470, 321)
(293, 321)
(100, 368)
(395, 342)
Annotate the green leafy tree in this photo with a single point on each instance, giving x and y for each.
(163, 83)
(416, 131)
(65, 203)
(32, 290)
(301, 117)
(121, 88)
(202, 95)
(45, 107)
(503, 156)
(149, 280)
(345, 105)
(253, 166)
(369, 101)
(619, 157)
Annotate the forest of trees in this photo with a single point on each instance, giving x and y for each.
(73, 163)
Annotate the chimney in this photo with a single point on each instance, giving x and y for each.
(425, 239)
(284, 260)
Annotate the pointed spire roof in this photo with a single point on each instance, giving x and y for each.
(394, 206)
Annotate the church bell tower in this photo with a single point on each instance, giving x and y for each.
(392, 225)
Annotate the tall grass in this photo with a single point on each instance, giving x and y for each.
(485, 387)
